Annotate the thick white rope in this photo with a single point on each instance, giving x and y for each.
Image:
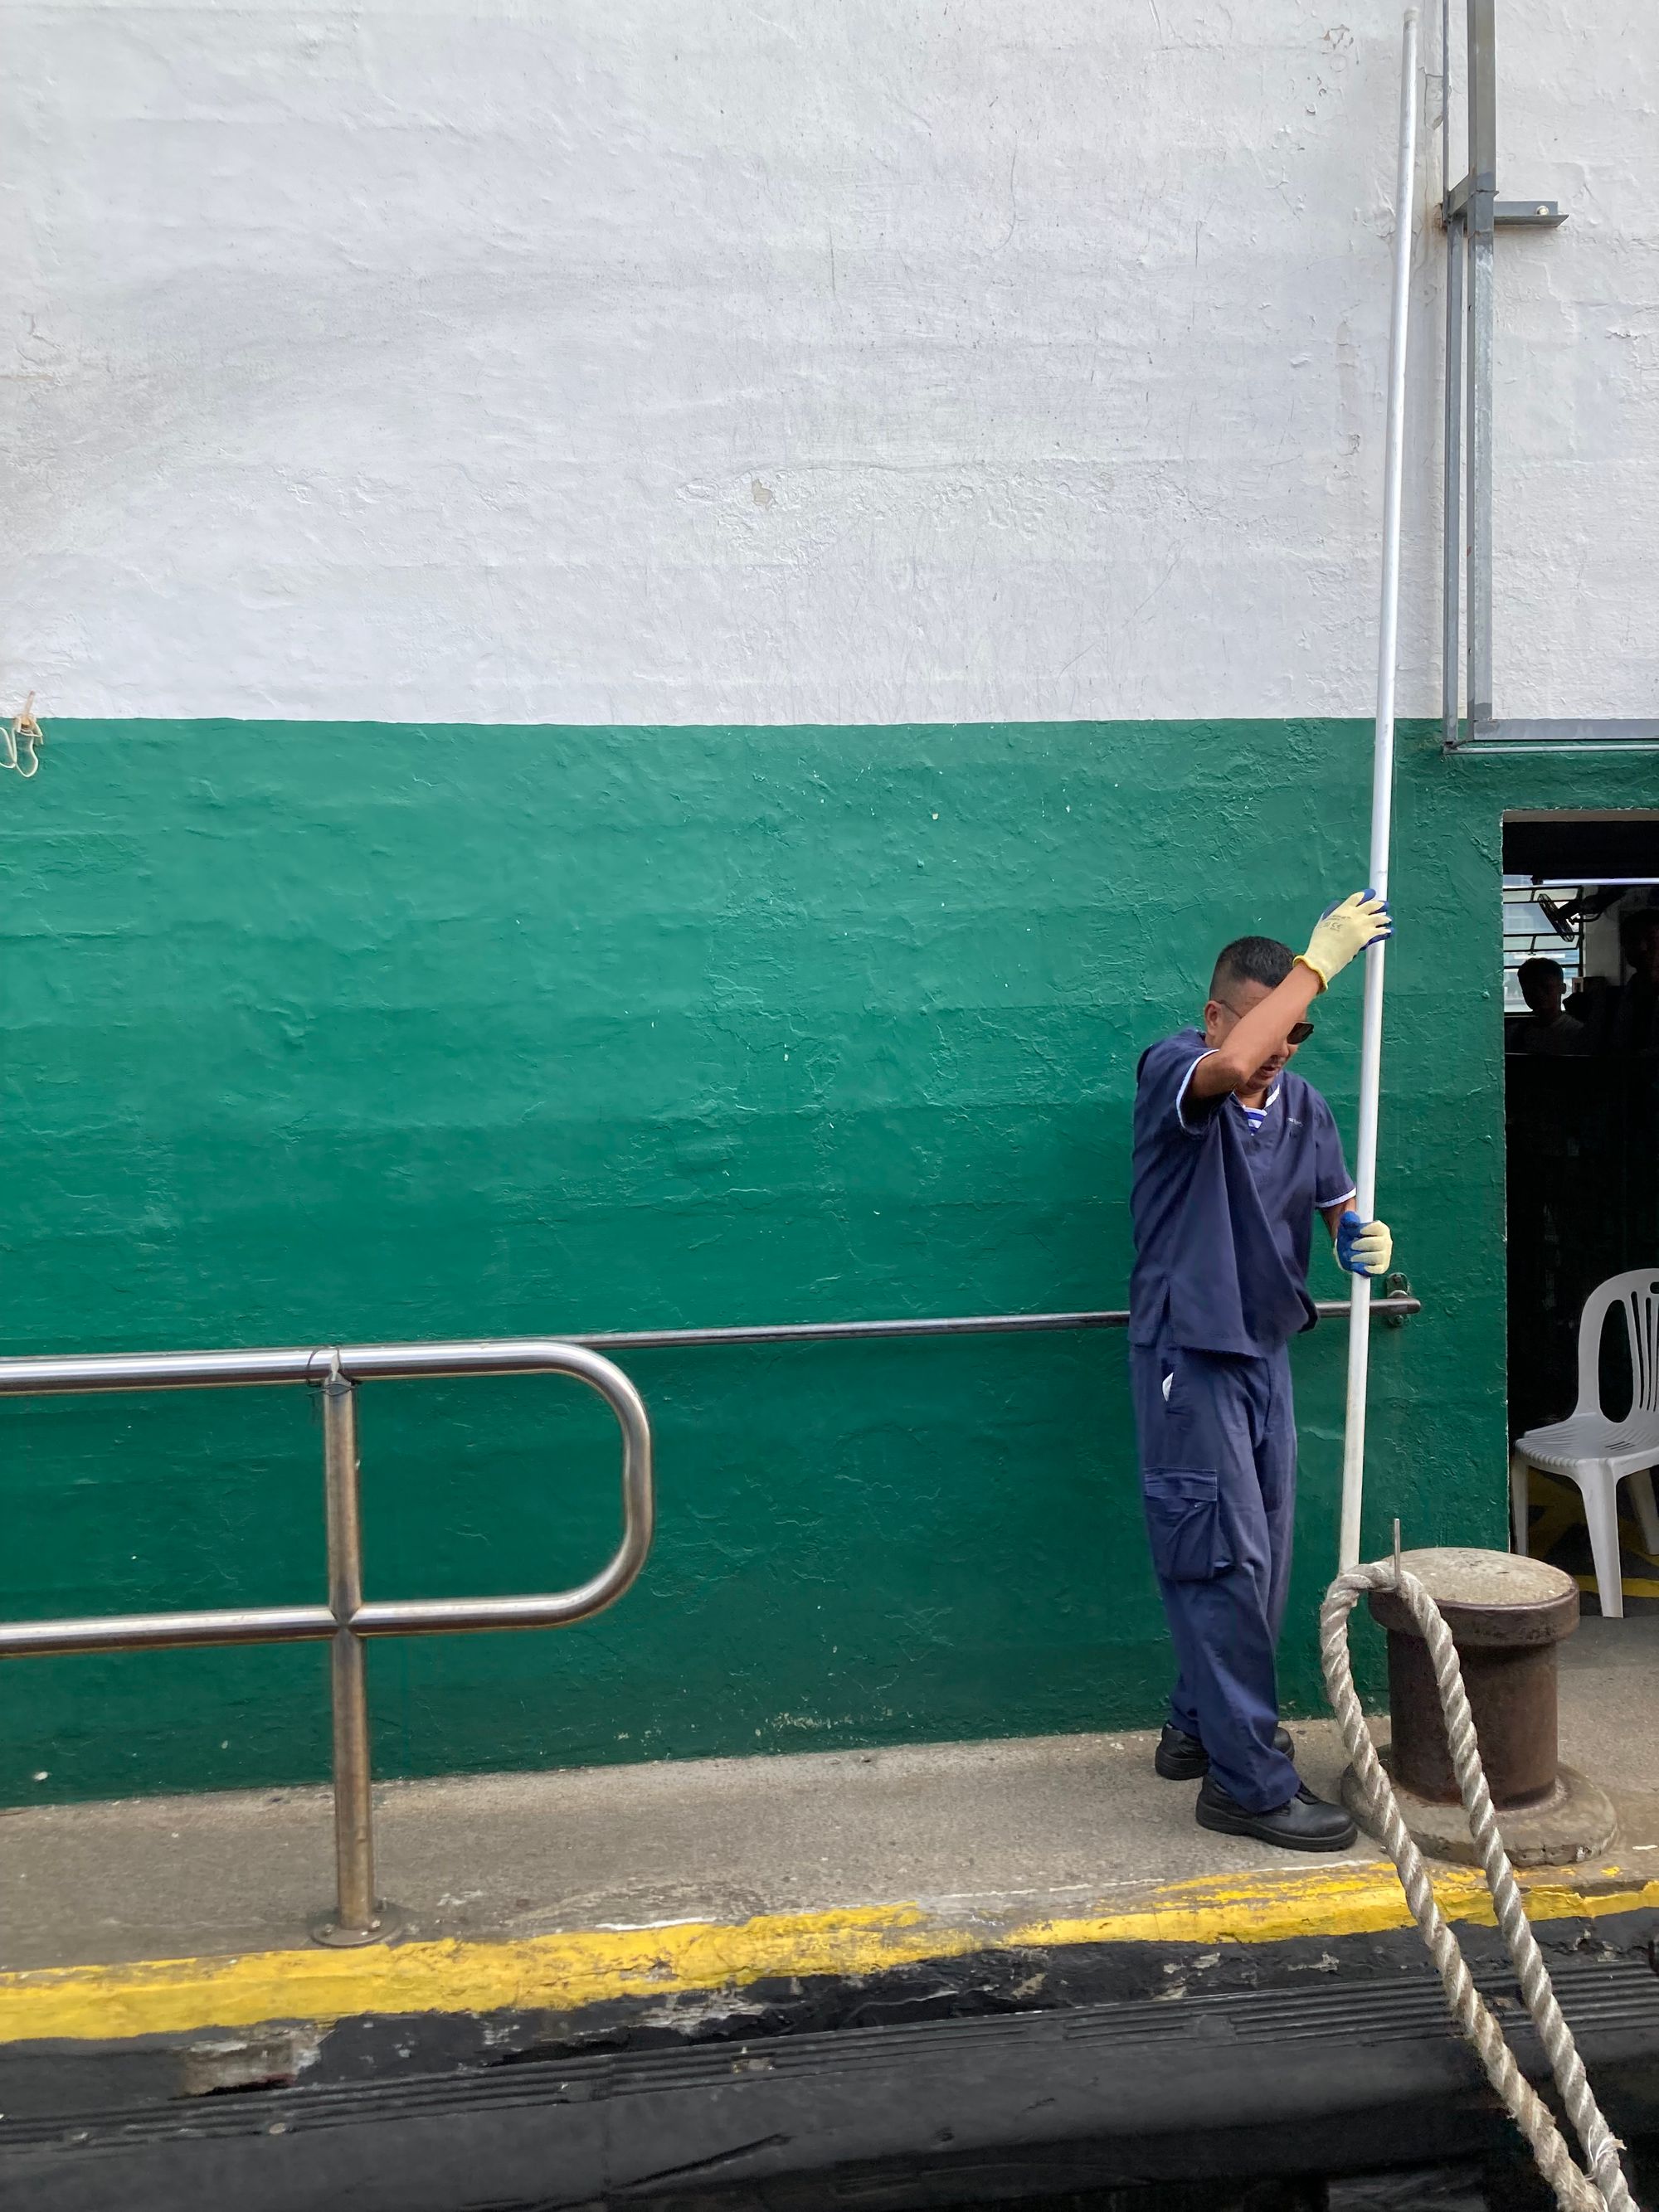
(1575, 2191)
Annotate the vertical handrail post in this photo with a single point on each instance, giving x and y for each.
(358, 1916)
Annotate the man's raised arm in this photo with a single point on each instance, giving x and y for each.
(1341, 932)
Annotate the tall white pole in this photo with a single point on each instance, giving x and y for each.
(1370, 1050)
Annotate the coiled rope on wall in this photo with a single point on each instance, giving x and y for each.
(1604, 2189)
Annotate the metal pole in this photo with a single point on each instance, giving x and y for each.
(1445, 99)
(1478, 218)
(1451, 544)
(357, 1918)
(1451, 548)
(1371, 1053)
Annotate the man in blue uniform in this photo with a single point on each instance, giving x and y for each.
(1234, 1155)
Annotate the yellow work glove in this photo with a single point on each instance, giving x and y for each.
(1343, 930)
(1364, 1247)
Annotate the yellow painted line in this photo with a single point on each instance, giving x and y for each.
(1346, 1901)
(1632, 1585)
(563, 1972)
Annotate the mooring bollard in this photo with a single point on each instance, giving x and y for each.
(1507, 1615)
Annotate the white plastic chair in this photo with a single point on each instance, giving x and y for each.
(1595, 1451)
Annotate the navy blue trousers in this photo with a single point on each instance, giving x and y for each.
(1218, 1472)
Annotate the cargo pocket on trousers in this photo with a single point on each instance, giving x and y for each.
(1183, 1519)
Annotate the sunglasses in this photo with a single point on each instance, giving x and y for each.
(1297, 1033)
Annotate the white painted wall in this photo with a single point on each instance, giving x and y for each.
(626, 361)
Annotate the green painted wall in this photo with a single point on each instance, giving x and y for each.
(319, 1032)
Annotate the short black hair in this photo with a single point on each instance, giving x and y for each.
(1540, 967)
(1252, 960)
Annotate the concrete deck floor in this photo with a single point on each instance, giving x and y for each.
(1065, 1820)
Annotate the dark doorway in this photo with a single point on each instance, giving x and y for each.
(1580, 1018)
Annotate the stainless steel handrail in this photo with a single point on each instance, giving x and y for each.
(347, 1618)
(358, 1916)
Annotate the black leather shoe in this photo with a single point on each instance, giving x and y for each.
(1306, 1824)
(1182, 1758)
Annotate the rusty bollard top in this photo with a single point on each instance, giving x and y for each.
(1488, 1598)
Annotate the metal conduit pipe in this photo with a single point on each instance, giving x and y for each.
(386, 1363)
(1397, 1306)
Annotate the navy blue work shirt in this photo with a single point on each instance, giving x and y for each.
(1223, 1205)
